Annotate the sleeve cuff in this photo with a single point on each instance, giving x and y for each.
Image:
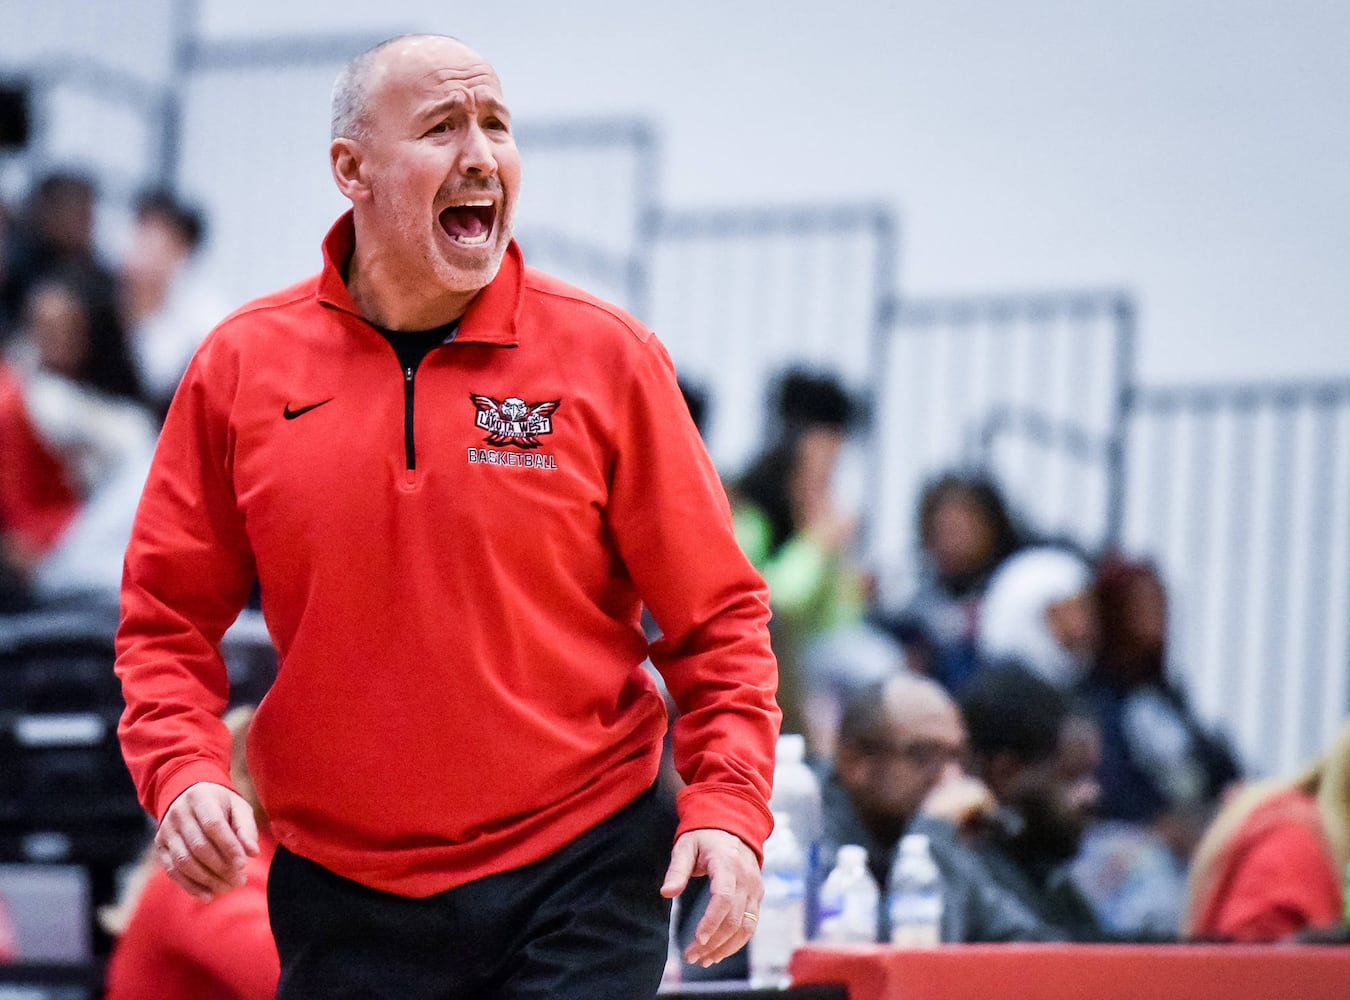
(183, 778)
(724, 808)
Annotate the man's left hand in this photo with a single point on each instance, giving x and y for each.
(737, 889)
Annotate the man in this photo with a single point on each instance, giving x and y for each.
(456, 481)
(1039, 759)
(896, 742)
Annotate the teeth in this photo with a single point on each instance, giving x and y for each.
(471, 241)
(483, 203)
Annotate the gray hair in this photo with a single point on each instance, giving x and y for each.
(351, 89)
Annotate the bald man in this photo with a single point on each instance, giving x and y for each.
(896, 741)
(457, 481)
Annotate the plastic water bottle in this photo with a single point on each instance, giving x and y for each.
(849, 900)
(915, 895)
(780, 931)
(796, 795)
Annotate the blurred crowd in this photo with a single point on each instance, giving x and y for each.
(1018, 703)
(91, 351)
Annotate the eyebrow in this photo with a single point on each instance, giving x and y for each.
(448, 104)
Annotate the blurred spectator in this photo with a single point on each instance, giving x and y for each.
(1135, 883)
(56, 234)
(790, 526)
(897, 739)
(166, 305)
(1160, 765)
(1038, 613)
(965, 532)
(1273, 862)
(74, 442)
(172, 945)
(896, 742)
(1038, 757)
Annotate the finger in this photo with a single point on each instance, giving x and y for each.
(214, 842)
(245, 825)
(744, 920)
(191, 886)
(738, 941)
(682, 860)
(735, 937)
(722, 937)
(184, 868)
(726, 906)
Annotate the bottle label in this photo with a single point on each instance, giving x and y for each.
(916, 920)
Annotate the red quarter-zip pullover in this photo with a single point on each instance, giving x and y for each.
(460, 689)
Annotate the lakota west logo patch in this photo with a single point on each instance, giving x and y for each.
(514, 421)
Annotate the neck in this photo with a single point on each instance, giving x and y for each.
(386, 297)
(886, 829)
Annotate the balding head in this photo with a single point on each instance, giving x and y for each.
(901, 702)
(894, 740)
(360, 78)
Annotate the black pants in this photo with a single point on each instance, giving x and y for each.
(588, 922)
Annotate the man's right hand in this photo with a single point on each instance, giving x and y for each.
(205, 838)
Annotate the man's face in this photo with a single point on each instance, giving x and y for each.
(1058, 798)
(440, 162)
(889, 773)
(960, 538)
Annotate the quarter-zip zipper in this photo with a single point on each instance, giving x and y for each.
(409, 447)
(411, 349)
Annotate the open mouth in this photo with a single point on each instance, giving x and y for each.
(469, 224)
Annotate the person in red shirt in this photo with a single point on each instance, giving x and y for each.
(1271, 864)
(170, 944)
(457, 482)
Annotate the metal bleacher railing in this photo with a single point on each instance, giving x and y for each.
(1242, 494)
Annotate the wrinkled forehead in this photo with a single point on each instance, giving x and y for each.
(421, 69)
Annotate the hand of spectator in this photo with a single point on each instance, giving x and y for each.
(204, 839)
(964, 802)
(736, 891)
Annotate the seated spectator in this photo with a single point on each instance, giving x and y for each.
(170, 944)
(792, 529)
(965, 532)
(1038, 614)
(166, 305)
(1038, 757)
(1272, 865)
(1160, 765)
(55, 235)
(896, 741)
(74, 443)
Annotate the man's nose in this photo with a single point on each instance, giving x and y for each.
(476, 154)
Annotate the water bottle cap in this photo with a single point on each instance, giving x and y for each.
(791, 748)
(851, 856)
(914, 843)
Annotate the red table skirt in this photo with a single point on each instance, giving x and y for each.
(1080, 972)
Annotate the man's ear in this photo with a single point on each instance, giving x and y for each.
(344, 156)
